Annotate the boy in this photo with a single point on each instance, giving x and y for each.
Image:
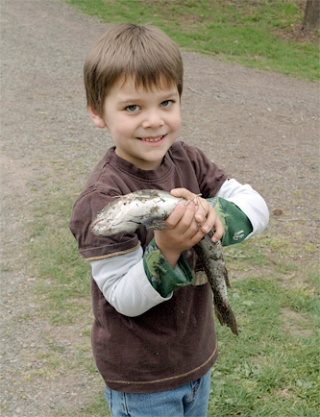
(153, 338)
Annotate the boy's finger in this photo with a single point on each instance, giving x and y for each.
(188, 216)
(205, 219)
(200, 215)
(182, 193)
(218, 231)
(177, 214)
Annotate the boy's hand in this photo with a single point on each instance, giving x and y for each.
(187, 225)
(205, 215)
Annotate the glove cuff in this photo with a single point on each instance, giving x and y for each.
(236, 224)
(160, 273)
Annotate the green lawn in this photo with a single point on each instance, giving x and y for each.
(263, 34)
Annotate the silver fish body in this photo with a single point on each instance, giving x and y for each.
(125, 213)
(151, 208)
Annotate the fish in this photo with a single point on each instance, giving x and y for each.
(151, 208)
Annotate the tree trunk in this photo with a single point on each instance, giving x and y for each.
(311, 20)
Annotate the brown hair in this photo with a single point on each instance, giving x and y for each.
(142, 51)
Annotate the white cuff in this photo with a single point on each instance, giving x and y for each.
(249, 201)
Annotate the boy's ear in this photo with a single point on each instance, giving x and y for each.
(97, 120)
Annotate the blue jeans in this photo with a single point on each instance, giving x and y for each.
(189, 400)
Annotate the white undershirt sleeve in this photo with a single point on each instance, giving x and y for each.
(124, 283)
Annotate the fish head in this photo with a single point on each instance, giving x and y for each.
(114, 218)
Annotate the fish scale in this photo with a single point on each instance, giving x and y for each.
(151, 208)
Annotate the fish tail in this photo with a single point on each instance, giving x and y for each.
(226, 317)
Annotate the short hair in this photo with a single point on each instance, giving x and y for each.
(144, 52)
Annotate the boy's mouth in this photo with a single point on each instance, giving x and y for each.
(153, 138)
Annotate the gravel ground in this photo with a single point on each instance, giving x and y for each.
(262, 127)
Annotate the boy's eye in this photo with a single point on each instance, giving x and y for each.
(132, 108)
(167, 103)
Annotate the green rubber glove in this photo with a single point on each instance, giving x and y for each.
(160, 273)
(236, 224)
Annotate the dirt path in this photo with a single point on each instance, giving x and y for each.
(262, 127)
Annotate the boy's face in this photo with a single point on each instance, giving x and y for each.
(143, 123)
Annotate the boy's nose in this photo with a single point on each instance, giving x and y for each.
(152, 119)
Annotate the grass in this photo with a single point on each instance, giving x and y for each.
(271, 370)
(263, 34)
(64, 276)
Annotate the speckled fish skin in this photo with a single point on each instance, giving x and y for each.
(151, 208)
(211, 256)
(125, 213)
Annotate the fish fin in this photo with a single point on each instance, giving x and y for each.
(226, 278)
(224, 268)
